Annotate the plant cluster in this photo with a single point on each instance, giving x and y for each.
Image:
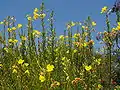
(33, 59)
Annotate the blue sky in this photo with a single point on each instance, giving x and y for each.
(65, 10)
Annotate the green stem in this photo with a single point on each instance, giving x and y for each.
(109, 50)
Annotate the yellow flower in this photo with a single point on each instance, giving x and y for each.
(1, 22)
(20, 61)
(76, 35)
(26, 64)
(118, 23)
(29, 18)
(58, 83)
(19, 25)
(66, 36)
(93, 23)
(84, 44)
(27, 72)
(83, 27)
(72, 24)
(36, 16)
(23, 38)
(104, 9)
(14, 71)
(67, 51)
(50, 68)
(6, 49)
(88, 68)
(36, 33)
(114, 29)
(1, 65)
(75, 51)
(42, 78)
(15, 41)
(61, 37)
(9, 30)
(98, 61)
(36, 10)
(63, 58)
(10, 40)
(42, 16)
(14, 66)
(13, 28)
(99, 86)
(118, 27)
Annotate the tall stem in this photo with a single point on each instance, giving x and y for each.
(109, 50)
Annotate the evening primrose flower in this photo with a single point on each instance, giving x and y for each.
(26, 64)
(14, 66)
(57, 83)
(114, 29)
(50, 68)
(36, 16)
(15, 41)
(9, 30)
(98, 61)
(61, 37)
(29, 18)
(10, 40)
(19, 25)
(88, 68)
(20, 61)
(67, 51)
(72, 24)
(83, 27)
(1, 22)
(42, 16)
(36, 33)
(1, 65)
(23, 38)
(63, 58)
(27, 72)
(42, 78)
(13, 28)
(36, 10)
(99, 86)
(6, 49)
(118, 23)
(118, 27)
(74, 51)
(93, 23)
(14, 71)
(104, 9)
(76, 35)
(85, 44)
